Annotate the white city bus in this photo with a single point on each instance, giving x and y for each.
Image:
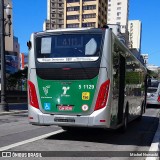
(83, 77)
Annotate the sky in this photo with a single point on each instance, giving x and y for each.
(29, 16)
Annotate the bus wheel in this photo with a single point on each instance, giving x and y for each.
(125, 122)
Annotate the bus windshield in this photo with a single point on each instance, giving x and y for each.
(67, 46)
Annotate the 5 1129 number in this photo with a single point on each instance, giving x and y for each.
(86, 87)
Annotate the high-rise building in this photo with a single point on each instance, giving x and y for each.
(75, 14)
(118, 11)
(55, 15)
(85, 13)
(134, 29)
(145, 58)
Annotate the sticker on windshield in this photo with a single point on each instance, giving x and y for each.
(46, 45)
(91, 47)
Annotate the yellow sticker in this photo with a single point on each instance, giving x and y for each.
(85, 95)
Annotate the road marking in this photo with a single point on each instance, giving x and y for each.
(155, 143)
(30, 140)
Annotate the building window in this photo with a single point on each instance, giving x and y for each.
(118, 13)
(60, 5)
(54, 11)
(60, 20)
(53, 15)
(91, 24)
(74, 25)
(118, 18)
(53, 5)
(119, 3)
(72, 17)
(72, 1)
(76, 8)
(89, 7)
(85, 16)
(88, 0)
(99, 9)
(60, 15)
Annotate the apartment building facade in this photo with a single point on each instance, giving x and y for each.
(118, 11)
(55, 15)
(145, 58)
(75, 14)
(85, 13)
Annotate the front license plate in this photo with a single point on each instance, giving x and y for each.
(65, 108)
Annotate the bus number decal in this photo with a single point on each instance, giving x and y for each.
(85, 95)
(86, 87)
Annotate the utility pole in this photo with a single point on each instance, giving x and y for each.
(3, 22)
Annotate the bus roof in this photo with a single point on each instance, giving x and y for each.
(66, 29)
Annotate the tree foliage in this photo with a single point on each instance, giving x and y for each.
(152, 74)
(15, 80)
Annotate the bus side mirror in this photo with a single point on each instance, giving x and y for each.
(29, 44)
(149, 82)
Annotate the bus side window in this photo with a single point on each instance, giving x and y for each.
(115, 73)
(149, 82)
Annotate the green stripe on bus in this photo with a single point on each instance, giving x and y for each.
(69, 96)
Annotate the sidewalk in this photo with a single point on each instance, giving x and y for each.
(15, 108)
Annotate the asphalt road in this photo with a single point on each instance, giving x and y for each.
(15, 128)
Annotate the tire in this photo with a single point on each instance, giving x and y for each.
(125, 123)
(123, 129)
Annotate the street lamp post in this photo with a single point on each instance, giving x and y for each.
(3, 23)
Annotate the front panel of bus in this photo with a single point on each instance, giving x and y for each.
(67, 68)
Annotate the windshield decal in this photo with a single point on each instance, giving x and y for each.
(91, 47)
(46, 45)
(70, 59)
